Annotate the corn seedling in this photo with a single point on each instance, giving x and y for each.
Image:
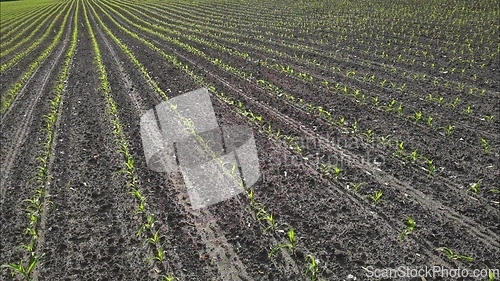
(429, 121)
(489, 118)
(410, 227)
(356, 186)
(21, 269)
(400, 148)
(289, 245)
(414, 156)
(417, 116)
(312, 267)
(146, 225)
(474, 187)
(468, 110)
(455, 102)
(342, 121)
(431, 168)
(385, 141)
(486, 146)
(263, 215)
(368, 135)
(160, 255)
(251, 197)
(376, 197)
(453, 256)
(491, 274)
(155, 239)
(449, 129)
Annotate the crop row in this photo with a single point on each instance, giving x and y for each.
(38, 206)
(15, 89)
(148, 229)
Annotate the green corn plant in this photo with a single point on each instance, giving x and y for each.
(278, 134)
(141, 208)
(312, 269)
(468, 110)
(385, 141)
(453, 256)
(429, 121)
(337, 172)
(431, 168)
(400, 148)
(375, 101)
(355, 126)
(486, 146)
(155, 239)
(168, 278)
(138, 195)
(298, 149)
(491, 274)
(410, 227)
(356, 186)
(251, 197)
(342, 121)
(417, 116)
(390, 106)
(325, 168)
(290, 245)
(263, 215)
(376, 197)
(474, 187)
(23, 270)
(414, 156)
(489, 118)
(160, 255)
(146, 225)
(449, 129)
(368, 135)
(455, 102)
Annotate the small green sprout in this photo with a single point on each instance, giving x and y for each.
(449, 129)
(485, 145)
(410, 227)
(289, 245)
(414, 156)
(453, 256)
(376, 197)
(263, 215)
(474, 187)
(312, 267)
(431, 168)
(489, 118)
(356, 186)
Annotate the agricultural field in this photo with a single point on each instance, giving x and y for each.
(376, 125)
